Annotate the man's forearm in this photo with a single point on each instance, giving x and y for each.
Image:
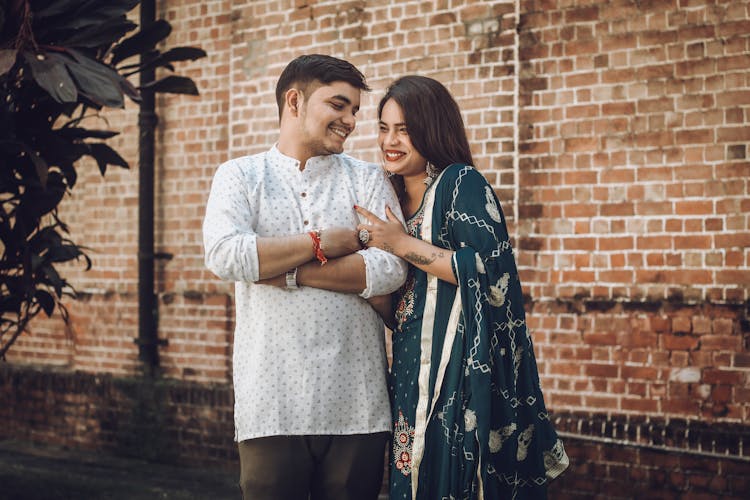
(278, 255)
(343, 274)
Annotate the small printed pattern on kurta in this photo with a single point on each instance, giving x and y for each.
(308, 360)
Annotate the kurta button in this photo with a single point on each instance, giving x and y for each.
(303, 194)
(307, 222)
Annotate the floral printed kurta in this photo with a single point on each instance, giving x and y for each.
(469, 420)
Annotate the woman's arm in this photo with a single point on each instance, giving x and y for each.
(390, 236)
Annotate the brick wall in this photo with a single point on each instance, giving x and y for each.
(616, 134)
(160, 420)
(604, 470)
(633, 214)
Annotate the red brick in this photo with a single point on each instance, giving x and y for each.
(733, 277)
(639, 373)
(581, 144)
(717, 376)
(579, 243)
(680, 342)
(733, 240)
(598, 370)
(721, 342)
(473, 12)
(681, 324)
(600, 338)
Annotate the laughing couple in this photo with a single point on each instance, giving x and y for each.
(322, 256)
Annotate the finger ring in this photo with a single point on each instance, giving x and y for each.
(364, 236)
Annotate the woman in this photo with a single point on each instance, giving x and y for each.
(468, 413)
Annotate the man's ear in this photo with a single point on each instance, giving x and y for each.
(293, 99)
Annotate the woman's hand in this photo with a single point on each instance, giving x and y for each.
(390, 236)
(384, 234)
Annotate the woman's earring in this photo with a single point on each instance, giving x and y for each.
(432, 172)
(385, 170)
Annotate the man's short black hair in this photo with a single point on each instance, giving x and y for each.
(306, 69)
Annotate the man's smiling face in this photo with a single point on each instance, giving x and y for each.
(327, 117)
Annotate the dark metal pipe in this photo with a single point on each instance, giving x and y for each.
(148, 342)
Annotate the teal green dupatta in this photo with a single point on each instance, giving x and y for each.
(481, 429)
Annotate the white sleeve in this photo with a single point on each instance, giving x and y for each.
(384, 272)
(229, 240)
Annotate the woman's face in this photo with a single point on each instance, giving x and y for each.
(399, 154)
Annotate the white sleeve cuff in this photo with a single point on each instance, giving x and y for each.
(384, 272)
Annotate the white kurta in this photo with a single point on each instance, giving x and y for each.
(306, 361)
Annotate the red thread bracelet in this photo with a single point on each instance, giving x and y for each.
(315, 235)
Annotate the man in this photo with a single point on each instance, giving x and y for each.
(311, 404)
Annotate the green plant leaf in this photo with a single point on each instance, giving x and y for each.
(83, 133)
(65, 74)
(69, 172)
(36, 262)
(63, 253)
(99, 13)
(172, 55)
(59, 7)
(173, 85)
(96, 81)
(47, 237)
(76, 14)
(145, 58)
(40, 200)
(105, 155)
(53, 279)
(104, 32)
(58, 149)
(129, 90)
(7, 60)
(142, 41)
(46, 301)
(50, 74)
(40, 165)
(10, 304)
(183, 54)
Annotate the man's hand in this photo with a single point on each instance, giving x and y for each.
(382, 306)
(339, 241)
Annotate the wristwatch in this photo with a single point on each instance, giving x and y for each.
(291, 279)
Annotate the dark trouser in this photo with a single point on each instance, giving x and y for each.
(346, 467)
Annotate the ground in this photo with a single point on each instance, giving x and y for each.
(30, 472)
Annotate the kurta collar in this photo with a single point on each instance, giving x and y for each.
(289, 163)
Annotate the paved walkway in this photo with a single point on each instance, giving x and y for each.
(33, 473)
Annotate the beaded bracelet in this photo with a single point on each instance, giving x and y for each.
(315, 235)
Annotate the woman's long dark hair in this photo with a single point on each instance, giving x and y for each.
(433, 120)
